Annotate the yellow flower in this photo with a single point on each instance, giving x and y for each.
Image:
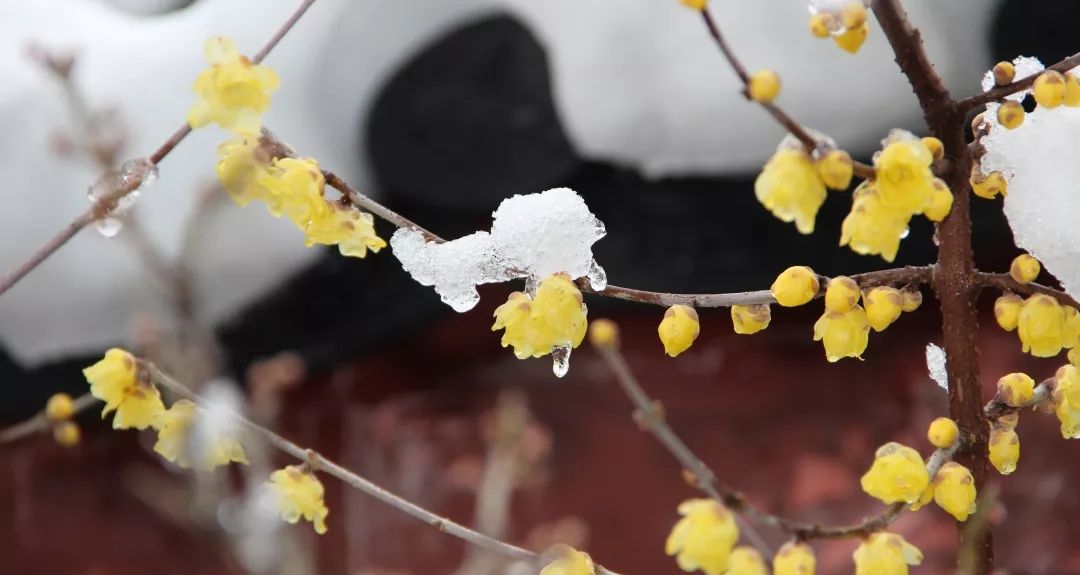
(795, 286)
(294, 189)
(174, 440)
(1072, 90)
(703, 539)
(942, 433)
(239, 167)
(1004, 448)
(954, 490)
(794, 558)
(1024, 268)
(836, 169)
(940, 202)
(1004, 73)
(750, 319)
(569, 561)
(935, 146)
(764, 86)
(1016, 389)
(352, 230)
(841, 294)
(115, 381)
(604, 333)
(1007, 311)
(851, 40)
(1067, 400)
(696, 5)
(873, 228)
(988, 187)
(905, 182)
(299, 494)
(853, 14)
(232, 92)
(821, 24)
(883, 306)
(885, 554)
(1049, 89)
(790, 188)
(60, 407)
(1041, 326)
(911, 299)
(1011, 115)
(843, 334)
(897, 475)
(679, 328)
(535, 326)
(746, 561)
(1074, 356)
(1070, 336)
(67, 434)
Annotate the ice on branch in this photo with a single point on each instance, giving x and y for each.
(935, 363)
(1038, 162)
(532, 237)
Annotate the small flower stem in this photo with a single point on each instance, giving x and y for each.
(321, 463)
(1005, 282)
(40, 422)
(996, 94)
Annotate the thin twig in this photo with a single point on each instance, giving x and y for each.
(105, 204)
(40, 422)
(1006, 282)
(650, 416)
(363, 202)
(998, 93)
(352, 479)
(1043, 392)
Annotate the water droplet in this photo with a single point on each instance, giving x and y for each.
(905, 233)
(108, 227)
(597, 276)
(560, 361)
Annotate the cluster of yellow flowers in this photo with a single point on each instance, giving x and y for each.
(552, 318)
(118, 380)
(1044, 325)
(704, 538)
(848, 26)
(59, 411)
(234, 94)
(1050, 90)
(899, 475)
(792, 184)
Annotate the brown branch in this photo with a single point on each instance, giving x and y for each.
(104, 205)
(650, 416)
(40, 422)
(1007, 283)
(350, 478)
(999, 93)
(363, 202)
(907, 45)
(1043, 393)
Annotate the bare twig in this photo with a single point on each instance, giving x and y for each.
(1043, 392)
(39, 422)
(363, 202)
(995, 94)
(1006, 282)
(105, 204)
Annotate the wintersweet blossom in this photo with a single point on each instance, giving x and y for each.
(1041, 326)
(789, 186)
(836, 169)
(1007, 311)
(232, 92)
(350, 229)
(679, 328)
(904, 180)
(794, 558)
(59, 407)
(841, 294)
(1067, 400)
(67, 433)
(1016, 389)
(554, 317)
(883, 306)
(299, 494)
(239, 166)
(885, 554)
(1004, 448)
(174, 443)
(943, 433)
(115, 381)
(843, 334)
(704, 538)
(746, 561)
(569, 561)
(954, 490)
(294, 188)
(897, 475)
(872, 228)
(1024, 268)
(795, 286)
(750, 319)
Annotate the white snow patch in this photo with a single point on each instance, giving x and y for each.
(935, 363)
(532, 237)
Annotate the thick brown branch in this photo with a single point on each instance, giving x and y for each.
(1007, 283)
(907, 45)
(999, 93)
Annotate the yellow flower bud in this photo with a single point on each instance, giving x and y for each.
(897, 475)
(943, 433)
(789, 186)
(1041, 326)
(935, 146)
(843, 334)
(299, 494)
(554, 318)
(912, 299)
(568, 561)
(1067, 400)
(954, 490)
(746, 561)
(1007, 310)
(679, 328)
(1006, 421)
(1016, 389)
(1049, 89)
(852, 39)
(1072, 90)
(1024, 268)
(872, 227)
(1011, 114)
(1070, 337)
(988, 187)
(763, 86)
(750, 319)
(60, 407)
(905, 182)
(940, 202)
(795, 286)
(1004, 449)
(604, 333)
(841, 294)
(695, 4)
(1004, 72)
(704, 538)
(883, 306)
(885, 554)
(853, 14)
(67, 433)
(836, 169)
(822, 24)
(794, 558)
(115, 381)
